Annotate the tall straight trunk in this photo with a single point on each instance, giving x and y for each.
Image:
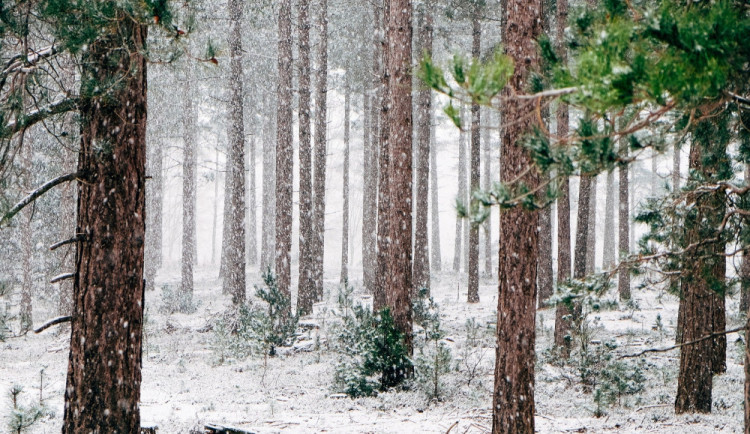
(719, 317)
(379, 297)
(591, 226)
(745, 267)
(747, 378)
(473, 262)
(284, 152)
(252, 220)
(306, 287)
(623, 242)
(268, 238)
(399, 120)
(234, 281)
(321, 139)
(217, 174)
(513, 395)
(27, 246)
(436, 260)
(676, 163)
(486, 183)
(345, 211)
(458, 250)
(104, 369)
(225, 224)
(189, 199)
(424, 108)
(608, 261)
(369, 197)
(562, 119)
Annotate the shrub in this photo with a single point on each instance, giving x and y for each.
(174, 300)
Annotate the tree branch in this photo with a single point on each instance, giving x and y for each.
(65, 242)
(34, 195)
(27, 120)
(53, 321)
(674, 347)
(62, 277)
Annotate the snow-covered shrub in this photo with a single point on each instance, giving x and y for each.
(22, 417)
(434, 358)
(173, 300)
(615, 380)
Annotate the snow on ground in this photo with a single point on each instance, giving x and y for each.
(185, 386)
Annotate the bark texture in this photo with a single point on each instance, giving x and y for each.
(591, 227)
(608, 254)
(104, 369)
(486, 185)
(268, 241)
(284, 151)
(26, 319)
(473, 262)
(513, 397)
(189, 198)
(458, 249)
(369, 197)
(321, 142)
(380, 297)
(345, 220)
(400, 123)
(252, 219)
(623, 230)
(436, 261)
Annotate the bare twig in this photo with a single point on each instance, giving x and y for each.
(52, 322)
(62, 277)
(65, 242)
(34, 195)
(674, 347)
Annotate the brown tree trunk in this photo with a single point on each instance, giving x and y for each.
(436, 260)
(268, 240)
(379, 297)
(189, 200)
(284, 152)
(424, 108)
(345, 212)
(462, 193)
(608, 254)
(591, 226)
(234, 280)
(473, 262)
(399, 122)
(487, 170)
(745, 267)
(623, 242)
(306, 286)
(321, 138)
(513, 397)
(369, 197)
(104, 369)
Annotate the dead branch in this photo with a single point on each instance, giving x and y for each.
(52, 322)
(62, 277)
(34, 195)
(674, 347)
(57, 245)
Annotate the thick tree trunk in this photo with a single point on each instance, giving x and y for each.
(345, 212)
(424, 108)
(306, 286)
(104, 369)
(380, 295)
(189, 199)
(513, 397)
(400, 123)
(234, 280)
(436, 260)
(284, 152)
(321, 139)
(563, 125)
(473, 262)
(719, 318)
(458, 250)
(623, 243)
(608, 261)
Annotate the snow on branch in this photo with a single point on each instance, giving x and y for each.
(685, 344)
(34, 195)
(62, 277)
(52, 322)
(42, 113)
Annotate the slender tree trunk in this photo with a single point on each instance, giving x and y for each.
(608, 261)
(591, 225)
(745, 267)
(284, 152)
(104, 374)
(676, 163)
(345, 212)
(27, 246)
(424, 108)
(369, 197)
(462, 193)
(623, 279)
(321, 139)
(268, 247)
(400, 124)
(217, 175)
(252, 230)
(436, 260)
(380, 297)
(306, 286)
(189, 200)
(234, 281)
(487, 227)
(513, 397)
(473, 262)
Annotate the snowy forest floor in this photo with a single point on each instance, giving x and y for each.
(185, 385)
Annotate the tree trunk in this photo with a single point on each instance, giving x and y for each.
(436, 260)
(462, 192)
(591, 226)
(321, 138)
(27, 245)
(104, 370)
(747, 378)
(268, 239)
(380, 297)
(234, 281)
(608, 254)
(563, 125)
(345, 212)
(487, 184)
(676, 163)
(284, 152)
(252, 220)
(68, 228)
(745, 267)
(189, 200)
(513, 397)
(473, 262)
(424, 108)
(217, 175)
(369, 197)
(623, 243)
(400, 124)
(306, 286)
